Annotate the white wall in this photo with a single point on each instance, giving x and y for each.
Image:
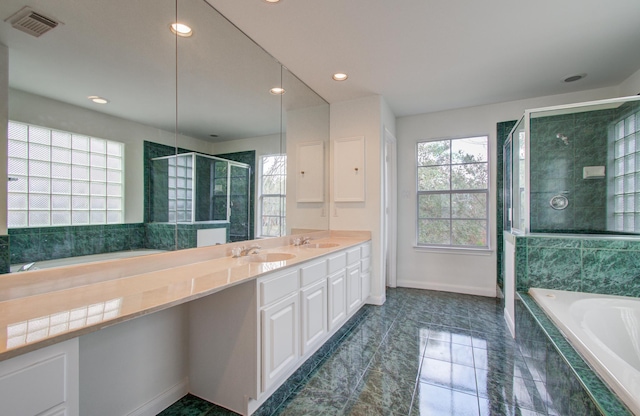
(457, 271)
(630, 86)
(38, 110)
(362, 117)
(4, 114)
(128, 365)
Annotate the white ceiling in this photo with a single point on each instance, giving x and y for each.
(431, 55)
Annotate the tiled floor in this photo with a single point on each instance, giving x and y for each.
(422, 353)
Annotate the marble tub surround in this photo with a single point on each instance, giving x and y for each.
(42, 307)
(574, 386)
(608, 266)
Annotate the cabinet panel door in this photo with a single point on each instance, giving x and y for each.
(348, 169)
(366, 285)
(280, 339)
(337, 298)
(310, 172)
(354, 291)
(313, 315)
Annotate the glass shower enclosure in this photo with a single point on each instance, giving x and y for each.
(193, 188)
(574, 169)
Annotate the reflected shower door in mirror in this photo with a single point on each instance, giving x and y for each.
(163, 95)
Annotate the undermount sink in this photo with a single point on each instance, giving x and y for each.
(320, 245)
(270, 257)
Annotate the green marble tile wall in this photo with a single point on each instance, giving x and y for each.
(502, 132)
(561, 146)
(585, 264)
(159, 236)
(4, 254)
(47, 243)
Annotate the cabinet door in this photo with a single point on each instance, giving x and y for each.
(313, 315)
(348, 169)
(280, 339)
(337, 298)
(310, 172)
(366, 285)
(354, 291)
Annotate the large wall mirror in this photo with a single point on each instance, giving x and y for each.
(193, 146)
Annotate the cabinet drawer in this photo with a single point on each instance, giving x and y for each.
(365, 250)
(365, 264)
(337, 262)
(313, 273)
(353, 255)
(277, 287)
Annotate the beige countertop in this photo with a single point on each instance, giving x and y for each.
(42, 307)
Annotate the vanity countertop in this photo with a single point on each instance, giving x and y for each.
(42, 307)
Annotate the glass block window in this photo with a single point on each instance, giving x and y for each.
(180, 188)
(60, 178)
(272, 199)
(626, 189)
(453, 193)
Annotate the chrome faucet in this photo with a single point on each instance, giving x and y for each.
(245, 251)
(305, 240)
(28, 266)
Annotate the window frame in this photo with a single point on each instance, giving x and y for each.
(90, 183)
(262, 195)
(451, 219)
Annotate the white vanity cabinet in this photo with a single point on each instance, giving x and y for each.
(365, 270)
(44, 382)
(270, 327)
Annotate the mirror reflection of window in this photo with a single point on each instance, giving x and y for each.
(61, 178)
(272, 196)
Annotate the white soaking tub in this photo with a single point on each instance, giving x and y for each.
(68, 261)
(605, 330)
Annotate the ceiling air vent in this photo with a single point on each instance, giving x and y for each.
(31, 22)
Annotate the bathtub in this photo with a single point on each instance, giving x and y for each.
(605, 330)
(68, 261)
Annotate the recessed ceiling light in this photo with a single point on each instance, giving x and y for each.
(573, 78)
(98, 100)
(272, 1)
(181, 29)
(339, 76)
(277, 91)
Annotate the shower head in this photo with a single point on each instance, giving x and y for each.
(564, 138)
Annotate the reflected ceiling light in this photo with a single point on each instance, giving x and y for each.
(339, 76)
(277, 91)
(181, 29)
(573, 78)
(98, 100)
(272, 1)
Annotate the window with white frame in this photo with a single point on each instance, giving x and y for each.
(453, 193)
(272, 200)
(626, 212)
(60, 178)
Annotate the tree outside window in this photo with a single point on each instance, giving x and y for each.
(453, 192)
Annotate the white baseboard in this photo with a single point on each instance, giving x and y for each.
(468, 290)
(376, 300)
(163, 400)
(510, 322)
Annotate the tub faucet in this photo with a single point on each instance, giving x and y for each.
(305, 240)
(28, 266)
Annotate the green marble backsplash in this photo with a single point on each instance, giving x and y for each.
(584, 264)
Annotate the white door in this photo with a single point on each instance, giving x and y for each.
(337, 298)
(313, 315)
(280, 339)
(390, 218)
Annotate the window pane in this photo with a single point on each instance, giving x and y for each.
(60, 155)
(271, 205)
(61, 218)
(39, 185)
(80, 217)
(38, 168)
(470, 176)
(434, 153)
(17, 131)
(79, 157)
(434, 232)
(59, 170)
(98, 217)
(469, 233)
(60, 202)
(17, 201)
(79, 173)
(17, 149)
(274, 184)
(61, 139)
(469, 205)
(80, 142)
(38, 218)
(472, 149)
(114, 149)
(434, 206)
(16, 219)
(17, 167)
(434, 178)
(39, 135)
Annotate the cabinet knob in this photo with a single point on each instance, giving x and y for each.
(356, 170)
(302, 172)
